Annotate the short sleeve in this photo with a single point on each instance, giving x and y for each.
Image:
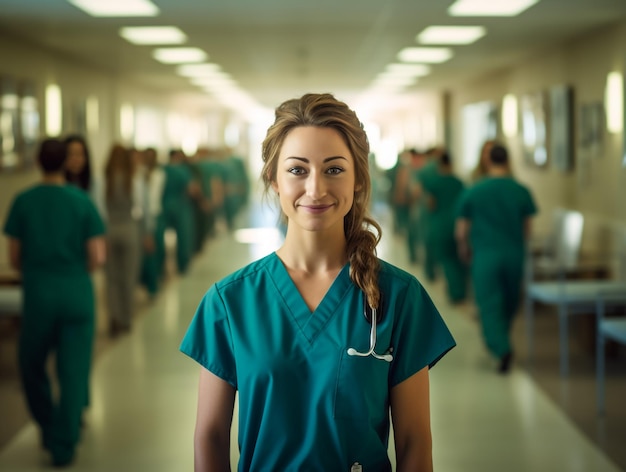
(12, 225)
(530, 208)
(208, 340)
(464, 208)
(421, 337)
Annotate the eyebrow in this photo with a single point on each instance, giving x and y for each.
(328, 159)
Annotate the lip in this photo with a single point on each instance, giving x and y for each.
(316, 208)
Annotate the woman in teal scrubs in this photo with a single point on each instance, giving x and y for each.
(288, 331)
(494, 225)
(55, 239)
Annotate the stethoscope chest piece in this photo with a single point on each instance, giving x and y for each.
(373, 316)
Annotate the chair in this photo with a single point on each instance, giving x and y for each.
(572, 297)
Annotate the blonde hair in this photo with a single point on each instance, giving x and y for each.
(362, 232)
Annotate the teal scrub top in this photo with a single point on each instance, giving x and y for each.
(177, 180)
(446, 190)
(497, 208)
(304, 403)
(53, 223)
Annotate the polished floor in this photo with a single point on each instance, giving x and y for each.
(144, 391)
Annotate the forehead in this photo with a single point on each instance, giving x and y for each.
(314, 142)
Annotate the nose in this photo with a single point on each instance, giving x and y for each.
(315, 186)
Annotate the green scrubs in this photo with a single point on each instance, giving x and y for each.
(424, 175)
(210, 171)
(178, 213)
(304, 403)
(445, 190)
(53, 224)
(236, 188)
(497, 208)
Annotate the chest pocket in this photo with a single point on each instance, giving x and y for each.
(362, 391)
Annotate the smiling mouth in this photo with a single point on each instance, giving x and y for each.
(316, 208)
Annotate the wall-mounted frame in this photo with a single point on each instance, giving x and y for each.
(591, 129)
(561, 126)
(534, 129)
(9, 124)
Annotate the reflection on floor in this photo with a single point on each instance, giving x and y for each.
(144, 391)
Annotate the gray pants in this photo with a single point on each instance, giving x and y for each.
(122, 272)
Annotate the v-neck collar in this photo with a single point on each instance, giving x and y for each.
(310, 324)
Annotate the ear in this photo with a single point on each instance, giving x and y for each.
(274, 186)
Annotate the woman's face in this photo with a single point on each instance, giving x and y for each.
(315, 178)
(76, 159)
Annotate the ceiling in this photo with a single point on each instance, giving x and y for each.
(277, 49)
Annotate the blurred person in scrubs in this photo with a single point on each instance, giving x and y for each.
(492, 230)
(55, 239)
(290, 332)
(153, 184)
(441, 195)
(125, 212)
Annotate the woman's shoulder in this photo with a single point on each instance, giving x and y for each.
(389, 273)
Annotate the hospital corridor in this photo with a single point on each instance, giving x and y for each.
(144, 391)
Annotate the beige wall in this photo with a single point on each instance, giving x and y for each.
(22, 61)
(584, 64)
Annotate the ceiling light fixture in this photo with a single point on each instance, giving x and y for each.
(179, 55)
(427, 55)
(408, 70)
(153, 35)
(489, 7)
(116, 8)
(198, 70)
(451, 34)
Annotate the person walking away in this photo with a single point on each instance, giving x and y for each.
(55, 239)
(492, 229)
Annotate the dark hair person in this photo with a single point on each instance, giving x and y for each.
(55, 239)
(78, 163)
(316, 378)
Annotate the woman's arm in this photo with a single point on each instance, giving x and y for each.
(216, 400)
(96, 252)
(15, 253)
(461, 233)
(410, 413)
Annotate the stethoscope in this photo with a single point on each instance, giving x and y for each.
(373, 316)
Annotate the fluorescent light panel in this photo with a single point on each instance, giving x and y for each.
(451, 34)
(154, 35)
(179, 55)
(198, 70)
(427, 55)
(116, 8)
(490, 7)
(408, 70)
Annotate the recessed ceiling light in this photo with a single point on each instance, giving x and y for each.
(198, 70)
(412, 70)
(489, 7)
(451, 34)
(153, 35)
(427, 55)
(179, 55)
(391, 80)
(113, 8)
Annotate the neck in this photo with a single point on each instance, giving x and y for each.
(54, 178)
(313, 252)
(498, 171)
